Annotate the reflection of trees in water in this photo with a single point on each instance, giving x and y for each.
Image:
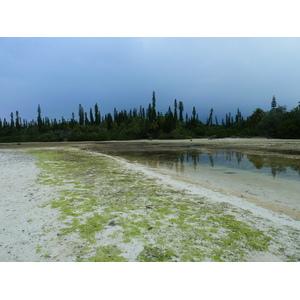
(169, 160)
(257, 160)
(296, 168)
(276, 168)
(239, 156)
(228, 155)
(231, 155)
(194, 156)
(181, 159)
(196, 159)
(177, 160)
(277, 165)
(211, 159)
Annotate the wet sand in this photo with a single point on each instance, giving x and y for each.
(278, 199)
(279, 147)
(260, 146)
(281, 198)
(22, 199)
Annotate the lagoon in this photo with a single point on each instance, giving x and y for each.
(229, 162)
(266, 180)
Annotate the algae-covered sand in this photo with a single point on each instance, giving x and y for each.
(65, 204)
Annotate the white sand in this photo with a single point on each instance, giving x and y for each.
(23, 221)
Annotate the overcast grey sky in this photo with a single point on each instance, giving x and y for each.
(219, 73)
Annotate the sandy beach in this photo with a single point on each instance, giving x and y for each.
(55, 209)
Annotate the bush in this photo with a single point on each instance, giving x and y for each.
(289, 129)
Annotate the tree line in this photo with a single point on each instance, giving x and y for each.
(148, 123)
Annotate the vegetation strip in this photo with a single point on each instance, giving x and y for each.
(151, 124)
(110, 213)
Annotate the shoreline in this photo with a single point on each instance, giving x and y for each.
(28, 220)
(285, 148)
(268, 196)
(216, 196)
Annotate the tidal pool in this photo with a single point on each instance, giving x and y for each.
(229, 162)
(270, 181)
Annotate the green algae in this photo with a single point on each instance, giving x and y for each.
(155, 254)
(109, 253)
(86, 229)
(92, 190)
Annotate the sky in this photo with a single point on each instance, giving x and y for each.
(223, 73)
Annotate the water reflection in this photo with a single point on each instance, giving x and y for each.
(277, 166)
(198, 161)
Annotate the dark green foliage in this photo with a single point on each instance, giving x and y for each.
(289, 129)
(175, 110)
(92, 117)
(273, 119)
(149, 123)
(273, 103)
(181, 108)
(97, 115)
(153, 108)
(81, 115)
(209, 120)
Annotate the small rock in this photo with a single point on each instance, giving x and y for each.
(112, 223)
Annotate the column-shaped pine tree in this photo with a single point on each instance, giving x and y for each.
(39, 118)
(81, 114)
(18, 122)
(97, 115)
(153, 108)
(175, 110)
(181, 108)
(12, 122)
(273, 103)
(91, 117)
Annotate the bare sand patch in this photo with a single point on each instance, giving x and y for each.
(23, 221)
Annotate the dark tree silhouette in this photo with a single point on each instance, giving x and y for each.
(273, 103)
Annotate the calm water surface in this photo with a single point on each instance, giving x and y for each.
(229, 162)
(271, 180)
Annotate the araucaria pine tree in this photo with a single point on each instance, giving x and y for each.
(273, 103)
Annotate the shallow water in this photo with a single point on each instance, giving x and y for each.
(228, 162)
(270, 181)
